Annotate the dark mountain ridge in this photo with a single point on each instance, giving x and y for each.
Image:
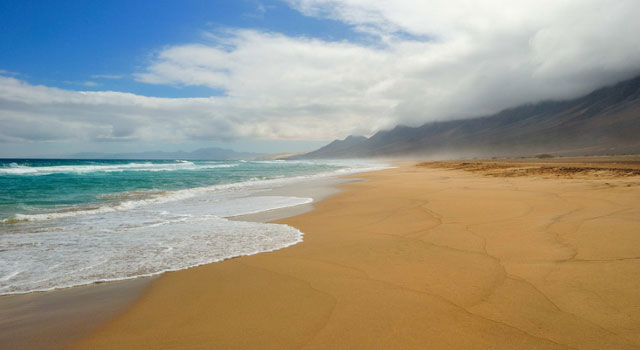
(605, 121)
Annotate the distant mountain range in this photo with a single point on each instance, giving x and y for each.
(200, 154)
(606, 121)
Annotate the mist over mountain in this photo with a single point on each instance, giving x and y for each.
(605, 121)
(212, 153)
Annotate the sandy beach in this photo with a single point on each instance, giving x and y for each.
(316, 174)
(54, 319)
(437, 255)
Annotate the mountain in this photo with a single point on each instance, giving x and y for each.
(606, 121)
(200, 154)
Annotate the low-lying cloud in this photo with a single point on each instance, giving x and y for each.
(430, 61)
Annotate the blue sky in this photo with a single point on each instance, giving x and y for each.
(98, 45)
(288, 75)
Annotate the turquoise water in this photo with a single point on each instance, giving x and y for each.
(71, 222)
(37, 186)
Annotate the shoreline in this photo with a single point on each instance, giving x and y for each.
(317, 189)
(411, 256)
(415, 257)
(59, 317)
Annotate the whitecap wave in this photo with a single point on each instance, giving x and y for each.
(16, 169)
(142, 233)
(159, 197)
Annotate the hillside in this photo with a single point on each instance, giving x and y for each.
(606, 121)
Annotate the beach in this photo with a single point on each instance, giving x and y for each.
(438, 255)
(55, 319)
(316, 174)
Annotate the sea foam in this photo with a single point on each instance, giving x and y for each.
(145, 232)
(15, 169)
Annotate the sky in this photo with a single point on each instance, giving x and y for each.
(288, 75)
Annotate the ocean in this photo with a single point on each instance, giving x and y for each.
(65, 223)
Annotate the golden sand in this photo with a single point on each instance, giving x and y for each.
(418, 257)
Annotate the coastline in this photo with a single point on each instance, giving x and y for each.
(318, 189)
(57, 318)
(418, 256)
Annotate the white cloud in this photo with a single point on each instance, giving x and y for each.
(99, 116)
(6, 72)
(34, 113)
(82, 83)
(107, 76)
(480, 57)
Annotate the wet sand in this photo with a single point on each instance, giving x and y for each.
(432, 256)
(53, 320)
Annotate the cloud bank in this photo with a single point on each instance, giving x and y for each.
(429, 61)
